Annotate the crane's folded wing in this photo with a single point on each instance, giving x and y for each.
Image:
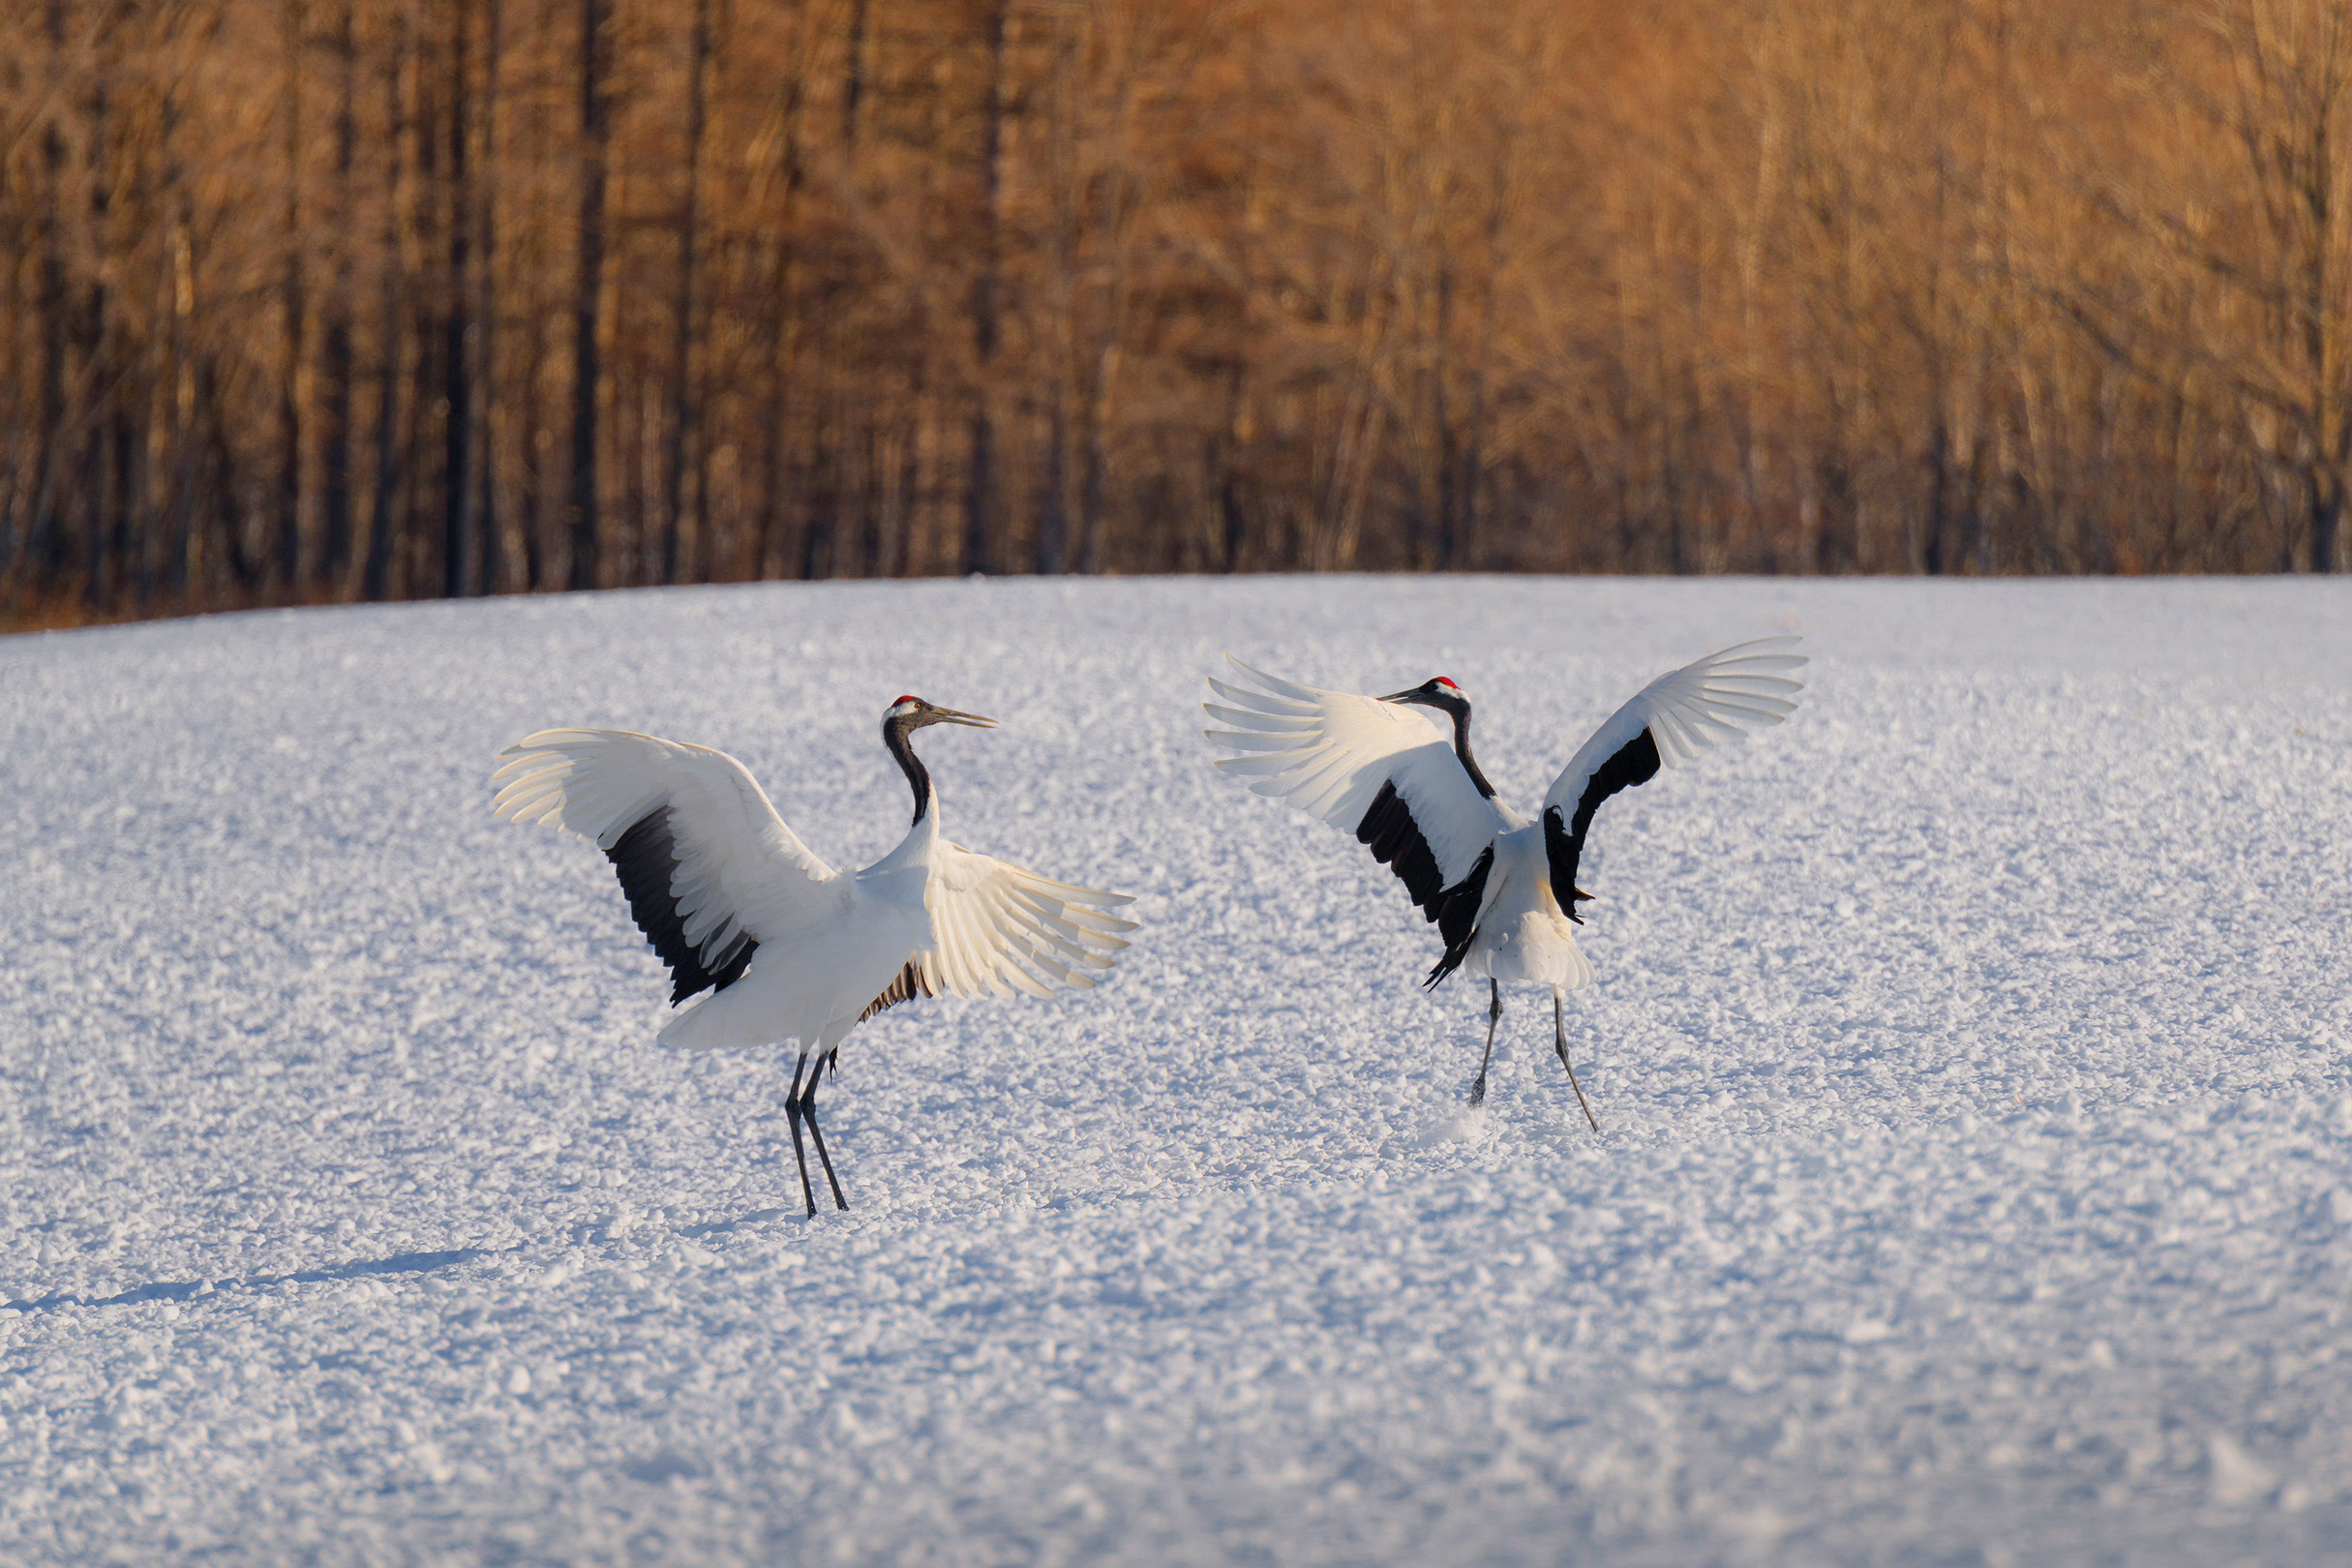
(1383, 771)
(997, 930)
(1667, 723)
(709, 870)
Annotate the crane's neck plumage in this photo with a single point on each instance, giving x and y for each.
(894, 733)
(1458, 709)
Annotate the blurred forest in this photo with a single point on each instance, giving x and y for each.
(313, 300)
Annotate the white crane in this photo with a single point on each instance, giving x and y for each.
(1501, 889)
(789, 948)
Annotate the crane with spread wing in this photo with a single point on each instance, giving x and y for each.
(790, 948)
(1500, 887)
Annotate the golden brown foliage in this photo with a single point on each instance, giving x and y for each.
(320, 299)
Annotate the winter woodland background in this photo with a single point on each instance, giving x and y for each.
(313, 300)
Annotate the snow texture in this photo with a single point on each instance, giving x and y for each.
(1972, 1052)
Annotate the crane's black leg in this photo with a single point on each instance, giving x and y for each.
(1478, 1088)
(792, 1113)
(1559, 1043)
(808, 1108)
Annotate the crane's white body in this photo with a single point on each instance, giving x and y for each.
(1523, 934)
(813, 980)
(830, 944)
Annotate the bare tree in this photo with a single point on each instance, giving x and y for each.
(587, 297)
(578, 294)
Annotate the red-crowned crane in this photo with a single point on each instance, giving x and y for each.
(1501, 889)
(789, 948)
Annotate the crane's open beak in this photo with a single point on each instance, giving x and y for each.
(948, 715)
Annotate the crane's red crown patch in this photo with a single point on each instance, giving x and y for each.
(1448, 684)
(895, 700)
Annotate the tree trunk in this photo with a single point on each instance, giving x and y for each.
(292, 285)
(483, 521)
(45, 543)
(1932, 556)
(684, 415)
(383, 526)
(980, 496)
(2327, 512)
(341, 366)
(94, 325)
(588, 298)
(854, 73)
(459, 513)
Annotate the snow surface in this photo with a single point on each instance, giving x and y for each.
(1971, 1053)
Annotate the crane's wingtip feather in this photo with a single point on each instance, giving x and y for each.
(1754, 652)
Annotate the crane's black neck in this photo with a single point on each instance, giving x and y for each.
(894, 732)
(1459, 710)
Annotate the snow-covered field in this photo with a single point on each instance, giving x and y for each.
(1975, 1054)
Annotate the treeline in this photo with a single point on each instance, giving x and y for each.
(340, 300)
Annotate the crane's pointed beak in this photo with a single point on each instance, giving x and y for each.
(1409, 694)
(948, 715)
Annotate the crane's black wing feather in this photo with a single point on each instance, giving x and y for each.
(1663, 725)
(1634, 763)
(1397, 842)
(1457, 919)
(647, 857)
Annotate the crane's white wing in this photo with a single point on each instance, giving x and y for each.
(1383, 771)
(997, 930)
(1667, 722)
(709, 870)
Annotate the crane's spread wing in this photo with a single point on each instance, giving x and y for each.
(997, 930)
(1381, 771)
(709, 870)
(1667, 723)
